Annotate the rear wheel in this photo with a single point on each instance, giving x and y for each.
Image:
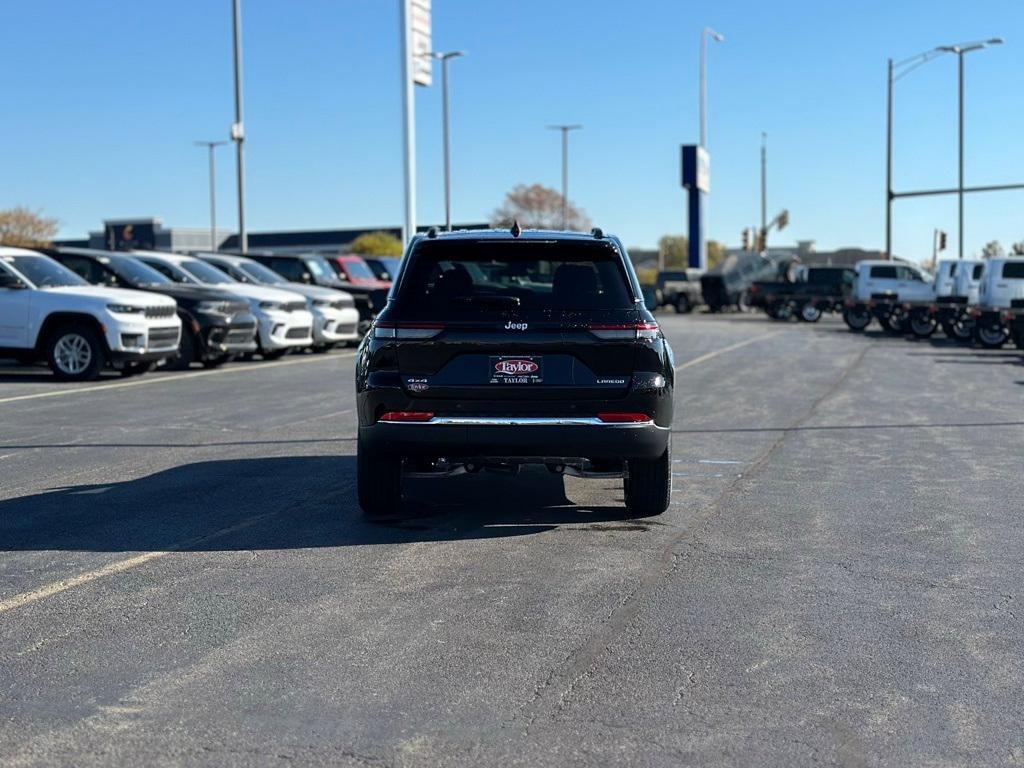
(922, 324)
(895, 323)
(743, 301)
(648, 485)
(682, 305)
(958, 330)
(990, 336)
(378, 483)
(856, 318)
(76, 353)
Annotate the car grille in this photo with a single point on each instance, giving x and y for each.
(163, 337)
(345, 328)
(160, 311)
(297, 333)
(240, 335)
(293, 306)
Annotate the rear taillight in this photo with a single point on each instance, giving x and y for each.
(406, 416)
(616, 417)
(625, 331)
(409, 331)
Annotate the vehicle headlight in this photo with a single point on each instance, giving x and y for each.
(126, 309)
(270, 305)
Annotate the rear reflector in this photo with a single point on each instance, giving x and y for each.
(615, 417)
(407, 416)
(630, 331)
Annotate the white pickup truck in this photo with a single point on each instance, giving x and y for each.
(956, 290)
(47, 312)
(897, 294)
(1002, 284)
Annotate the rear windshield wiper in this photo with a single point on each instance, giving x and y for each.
(494, 301)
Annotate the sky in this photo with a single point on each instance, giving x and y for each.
(104, 99)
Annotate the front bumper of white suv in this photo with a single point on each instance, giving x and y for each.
(283, 326)
(149, 335)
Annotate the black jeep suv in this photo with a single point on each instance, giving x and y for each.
(501, 348)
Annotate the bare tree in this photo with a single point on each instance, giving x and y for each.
(26, 228)
(1017, 249)
(538, 207)
(992, 250)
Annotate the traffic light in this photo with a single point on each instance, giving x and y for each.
(782, 220)
(762, 240)
(942, 240)
(746, 239)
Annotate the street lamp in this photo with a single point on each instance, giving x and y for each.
(211, 146)
(565, 168)
(960, 50)
(444, 58)
(237, 128)
(718, 38)
(898, 70)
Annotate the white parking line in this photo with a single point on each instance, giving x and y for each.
(723, 350)
(175, 377)
(120, 566)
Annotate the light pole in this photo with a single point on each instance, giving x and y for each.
(718, 38)
(238, 128)
(960, 50)
(898, 70)
(211, 146)
(444, 58)
(565, 168)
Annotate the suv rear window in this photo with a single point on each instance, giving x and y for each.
(1013, 270)
(473, 278)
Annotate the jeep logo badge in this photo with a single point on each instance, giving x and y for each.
(510, 326)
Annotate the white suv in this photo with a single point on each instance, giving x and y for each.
(335, 317)
(284, 322)
(48, 312)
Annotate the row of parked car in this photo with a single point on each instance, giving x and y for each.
(82, 310)
(969, 300)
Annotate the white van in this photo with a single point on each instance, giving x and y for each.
(1002, 283)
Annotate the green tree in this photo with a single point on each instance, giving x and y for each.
(672, 251)
(716, 252)
(377, 244)
(26, 228)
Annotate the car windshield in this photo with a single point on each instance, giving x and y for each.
(357, 269)
(261, 274)
(134, 271)
(206, 273)
(384, 267)
(489, 277)
(44, 272)
(322, 270)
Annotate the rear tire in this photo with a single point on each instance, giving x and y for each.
(856, 318)
(922, 324)
(648, 485)
(378, 483)
(76, 353)
(896, 323)
(958, 330)
(682, 305)
(990, 336)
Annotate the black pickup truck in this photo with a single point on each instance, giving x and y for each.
(814, 291)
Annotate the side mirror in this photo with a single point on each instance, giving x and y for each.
(13, 282)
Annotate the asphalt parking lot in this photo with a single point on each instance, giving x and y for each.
(185, 577)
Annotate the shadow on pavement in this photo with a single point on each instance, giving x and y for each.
(287, 503)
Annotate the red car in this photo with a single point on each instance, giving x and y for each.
(353, 270)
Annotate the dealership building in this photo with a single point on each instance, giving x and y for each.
(151, 234)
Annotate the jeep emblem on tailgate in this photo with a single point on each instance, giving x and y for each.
(510, 326)
(515, 367)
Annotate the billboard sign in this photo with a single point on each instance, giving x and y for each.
(419, 28)
(127, 236)
(696, 168)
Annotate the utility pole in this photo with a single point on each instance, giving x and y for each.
(764, 188)
(408, 125)
(707, 31)
(211, 146)
(444, 58)
(238, 129)
(960, 183)
(565, 168)
(888, 165)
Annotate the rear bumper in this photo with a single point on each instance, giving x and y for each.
(505, 437)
